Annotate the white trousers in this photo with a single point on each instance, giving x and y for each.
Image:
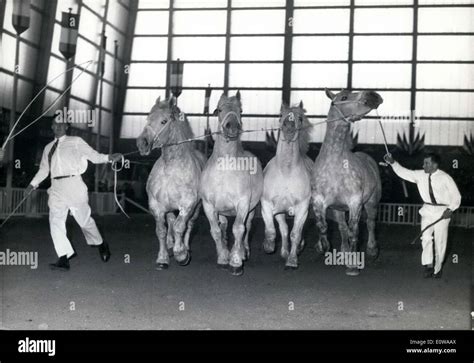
(70, 194)
(430, 214)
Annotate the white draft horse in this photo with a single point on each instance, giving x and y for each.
(287, 184)
(231, 185)
(173, 184)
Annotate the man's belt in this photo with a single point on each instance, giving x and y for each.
(437, 204)
(63, 177)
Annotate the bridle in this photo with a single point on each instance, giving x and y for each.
(229, 113)
(344, 117)
(156, 135)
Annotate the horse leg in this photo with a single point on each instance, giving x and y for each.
(223, 223)
(343, 229)
(323, 244)
(354, 218)
(216, 232)
(181, 253)
(283, 226)
(238, 229)
(190, 225)
(372, 246)
(270, 231)
(162, 262)
(301, 213)
(170, 219)
(248, 225)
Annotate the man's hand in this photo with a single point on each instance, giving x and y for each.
(389, 158)
(115, 157)
(447, 213)
(29, 189)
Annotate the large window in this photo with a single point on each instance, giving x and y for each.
(418, 55)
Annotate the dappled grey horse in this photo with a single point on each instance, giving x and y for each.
(343, 180)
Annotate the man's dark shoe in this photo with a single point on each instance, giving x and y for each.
(61, 264)
(438, 275)
(104, 251)
(428, 272)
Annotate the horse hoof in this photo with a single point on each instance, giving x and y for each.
(352, 271)
(186, 261)
(373, 253)
(170, 252)
(161, 266)
(236, 271)
(223, 266)
(290, 268)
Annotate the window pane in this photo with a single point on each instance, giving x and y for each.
(257, 123)
(445, 104)
(383, 20)
(149, 48)
(138, 100)
(153, 4)
(445, 47)
(255, 75)
(369, 132)
(258, 21)
(260, 102)
(257, 3)
(90, 26)
(200, 3)
(255, 48)
(315, 102)
(381, 75)
(382, 48)
(192, 48)
(457, 76)
(321, 21)
(147, 75)
(200, 75)
(445, 20)
(152, 22)
(383, 2)
(319, 75)
(441, 132)
(199, 22)
(320, 48)
(321, 2)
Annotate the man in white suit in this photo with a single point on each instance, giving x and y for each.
(441, 198)
(65, 159)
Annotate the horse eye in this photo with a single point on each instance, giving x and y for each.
(344, 98)
(164, 121)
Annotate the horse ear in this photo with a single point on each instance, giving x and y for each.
(216, 112)
(237, 95)
(283, 107)
(158, 100)
(301, 105)
(330, 94)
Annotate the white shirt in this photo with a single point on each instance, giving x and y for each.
(445, 190)
(70, 158)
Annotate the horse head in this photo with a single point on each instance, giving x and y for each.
(229, 110)
(353, 106)
(157, 129)
(292, 121)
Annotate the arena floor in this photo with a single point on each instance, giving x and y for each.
(119, 295)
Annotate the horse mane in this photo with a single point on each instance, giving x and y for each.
(303, 138)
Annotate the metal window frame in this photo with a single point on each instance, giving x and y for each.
(288, 61)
